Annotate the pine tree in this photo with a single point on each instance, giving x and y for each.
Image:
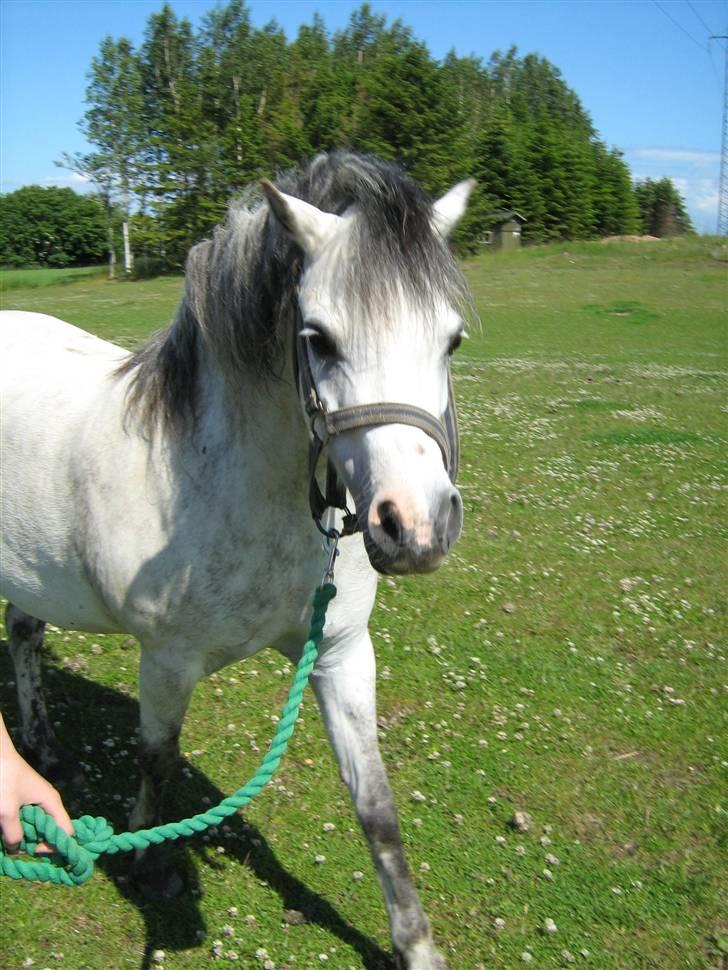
(180, 138)
(325, 88)
(662, 208)
(615, 205)
(408, 114)
(228, 86)
(361, 40)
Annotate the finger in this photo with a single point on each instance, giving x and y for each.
(53, 805)
(12, 833)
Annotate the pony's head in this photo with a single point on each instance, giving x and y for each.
(378, 299)
(352, 256)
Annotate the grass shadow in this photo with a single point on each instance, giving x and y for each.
(630, 310)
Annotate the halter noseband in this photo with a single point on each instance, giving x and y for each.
(324, 425)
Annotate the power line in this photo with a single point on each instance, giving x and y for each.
(679, 26)
(698, 16)
(708, 47)
(723, 178)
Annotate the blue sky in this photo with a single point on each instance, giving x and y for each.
(644, 70)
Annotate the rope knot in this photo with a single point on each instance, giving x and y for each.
(73, 861)
(93, 834)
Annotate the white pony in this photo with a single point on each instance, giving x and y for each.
(169, 493)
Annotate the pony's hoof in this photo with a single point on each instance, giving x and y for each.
(422, 956)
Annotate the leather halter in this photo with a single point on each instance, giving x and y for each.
(324, 425)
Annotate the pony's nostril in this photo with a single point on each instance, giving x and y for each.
(390, 521)
(455, 518)
(451, 520)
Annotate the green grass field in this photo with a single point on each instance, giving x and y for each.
(32, 279)
(568, 661)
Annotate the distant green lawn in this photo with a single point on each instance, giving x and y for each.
(25, 279)
(568, 661)
(122, 311)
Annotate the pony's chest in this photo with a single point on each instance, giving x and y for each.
(237, 593)
(274, 575)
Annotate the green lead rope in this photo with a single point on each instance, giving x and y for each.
(73, 862)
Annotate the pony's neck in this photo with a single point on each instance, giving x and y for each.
(261, 424)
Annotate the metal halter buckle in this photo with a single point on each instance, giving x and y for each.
(331, 547)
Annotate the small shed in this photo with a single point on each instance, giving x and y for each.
(504, 229)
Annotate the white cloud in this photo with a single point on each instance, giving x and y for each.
(701, 200)
(688, 155)
(706, 197)
(694, 173)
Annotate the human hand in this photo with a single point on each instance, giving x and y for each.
(22, 785)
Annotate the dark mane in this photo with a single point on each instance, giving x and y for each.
(240, 286)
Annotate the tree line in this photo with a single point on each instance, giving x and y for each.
(181, 124)
(52, 227)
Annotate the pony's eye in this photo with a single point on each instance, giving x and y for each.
(320, 342)
(454, 344)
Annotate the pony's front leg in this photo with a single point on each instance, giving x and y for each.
(166, 683)
(344, 682)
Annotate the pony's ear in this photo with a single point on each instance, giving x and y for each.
(449, 210)
(309, 226)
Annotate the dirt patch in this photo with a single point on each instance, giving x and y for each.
(635, 239)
